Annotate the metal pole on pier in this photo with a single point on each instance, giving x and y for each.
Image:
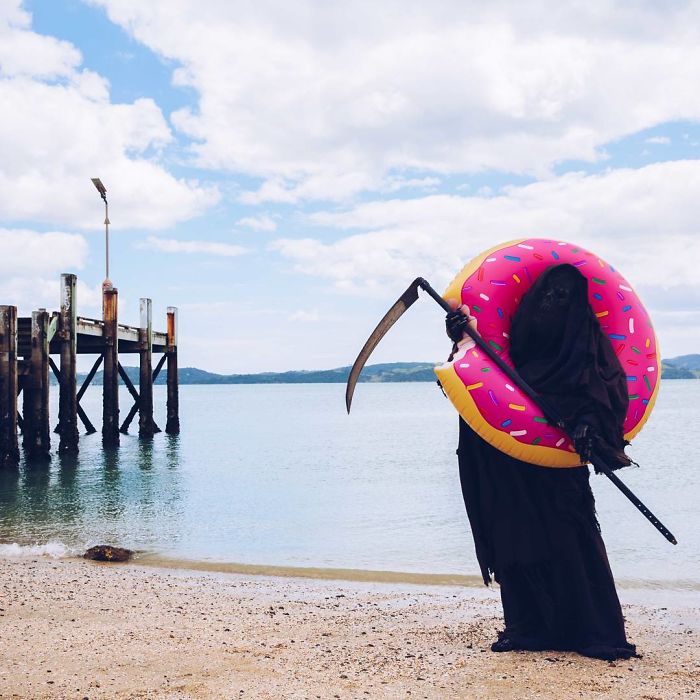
(172, 427)
(147, 427)
(68, 337)
(110, 376)
(37, 433)
(9, 448)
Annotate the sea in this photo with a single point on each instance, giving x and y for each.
(279, 478)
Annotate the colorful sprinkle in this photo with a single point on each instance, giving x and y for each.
(516, 406)
(485, 369)
(509, 387)
(626, 308)
(495, 345)
(490, 259)
(527, 247)
(631, 378)
(580, 263)
(646, 381)
(518, 433)
(601, 314)
(500, 312)
(598, 280)
(498, 283)
(626, 289)
(527, 274)
(538, 256)
(601, 263)
(539, 419)
(480, 275)
(620, 348)
(465, 365)
(647, 343)
(651, 356)
(537, 440)
(637, 350)
(475, 354)
(513, 258)
(651, 368)
(633, 397)
(560, 442)
(631, 326)
(478, 385)
(476, 308)
(506, 422)
(620, 296)
(493, 398)
(517, 279)
(598, 296)
(616, 336)
(645, 402)
(484, 297)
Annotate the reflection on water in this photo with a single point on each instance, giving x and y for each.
(279, 475)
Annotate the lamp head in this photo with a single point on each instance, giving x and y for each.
(100, 187)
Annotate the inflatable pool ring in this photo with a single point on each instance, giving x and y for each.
(492, 285)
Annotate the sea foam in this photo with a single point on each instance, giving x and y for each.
(54, 549)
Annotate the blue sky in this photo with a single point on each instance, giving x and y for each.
(280, 172)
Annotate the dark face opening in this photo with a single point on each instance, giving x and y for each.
(558, 290)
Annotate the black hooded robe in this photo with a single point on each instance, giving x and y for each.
(535, 528)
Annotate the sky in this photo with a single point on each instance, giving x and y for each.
(281, 171)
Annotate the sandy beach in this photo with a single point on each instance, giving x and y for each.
(76, 629)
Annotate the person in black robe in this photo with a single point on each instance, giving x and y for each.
(535, 528)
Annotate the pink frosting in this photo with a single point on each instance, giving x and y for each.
(493, 293)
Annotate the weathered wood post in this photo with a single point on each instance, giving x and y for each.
(36, 437)
(147, 427)
(68, 336)
(9, 449)
(172, 426)
(110, 381)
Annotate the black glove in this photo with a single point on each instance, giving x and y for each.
(583, 441)
(456, 325)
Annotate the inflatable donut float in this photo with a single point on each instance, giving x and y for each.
(492, 285)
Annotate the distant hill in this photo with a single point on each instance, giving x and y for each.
(686, 363)
(684, 367)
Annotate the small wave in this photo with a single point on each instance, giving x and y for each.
(55, 550)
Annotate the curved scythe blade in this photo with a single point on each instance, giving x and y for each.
(390, 318)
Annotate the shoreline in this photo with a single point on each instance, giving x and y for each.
(73, 628)
(57, 551)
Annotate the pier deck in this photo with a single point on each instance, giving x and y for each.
(27, 349)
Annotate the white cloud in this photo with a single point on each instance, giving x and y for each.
(644, 221)
(621, 214)
(31, 264)
(58, 128)
(172, 245)
(660, 140)
(304, 316)
(263, 222)
(323, 100)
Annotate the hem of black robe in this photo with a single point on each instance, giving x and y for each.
(604, 652)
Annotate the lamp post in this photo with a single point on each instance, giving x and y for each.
(107, 284)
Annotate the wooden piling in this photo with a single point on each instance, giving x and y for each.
(147, 427)
(68, 338)
(172, 426)
(36, 437)
(9, 448)
(110, 382)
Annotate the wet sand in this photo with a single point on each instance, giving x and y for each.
(76, 629)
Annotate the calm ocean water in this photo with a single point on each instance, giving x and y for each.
(280, 475)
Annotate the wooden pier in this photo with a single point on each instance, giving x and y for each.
(26, 349)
